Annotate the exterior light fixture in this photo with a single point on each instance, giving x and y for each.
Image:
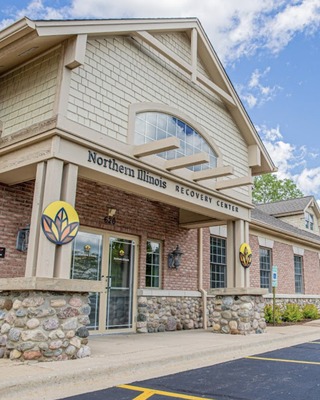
(23, 239)
(110, 219)
(174, 258)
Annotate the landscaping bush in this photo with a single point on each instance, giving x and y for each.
(292, 313)
(310, 311)
(268, 314)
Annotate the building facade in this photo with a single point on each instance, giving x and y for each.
(135, 125)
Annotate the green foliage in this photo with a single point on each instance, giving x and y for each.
(268, 188)
(268, 314)
(310, 311)
(292, 313)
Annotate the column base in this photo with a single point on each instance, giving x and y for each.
(43, 325)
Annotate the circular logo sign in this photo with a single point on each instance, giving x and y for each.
(245, 255)
(60, 222)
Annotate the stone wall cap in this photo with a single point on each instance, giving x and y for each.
(49, 284)
(238, 292)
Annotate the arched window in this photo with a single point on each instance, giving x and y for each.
(150, 126)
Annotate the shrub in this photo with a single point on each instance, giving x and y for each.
(310, 311)
(292, 313)
(268, 314)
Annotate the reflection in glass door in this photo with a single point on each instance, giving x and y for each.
(86, 264)
(109, 260)
(120, 283)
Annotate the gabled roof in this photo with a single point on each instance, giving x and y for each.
(289, 207)
(268, 221)
(25, 39)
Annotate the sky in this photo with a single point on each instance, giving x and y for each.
(269, 48)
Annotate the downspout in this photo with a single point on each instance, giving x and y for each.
(201, 290)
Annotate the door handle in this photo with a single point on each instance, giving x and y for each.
(108, 282)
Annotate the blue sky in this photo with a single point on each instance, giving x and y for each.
(269, 48)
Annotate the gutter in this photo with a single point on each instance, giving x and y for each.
(16, 31)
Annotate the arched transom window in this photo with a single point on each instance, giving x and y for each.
(150, 126)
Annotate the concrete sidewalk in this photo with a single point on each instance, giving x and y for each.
(118, 359)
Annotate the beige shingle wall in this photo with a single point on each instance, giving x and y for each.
(118, 73)
(27, 94)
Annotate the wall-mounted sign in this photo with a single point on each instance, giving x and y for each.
(60, 222)
(2, 252)
(245, 255)
(274, 276)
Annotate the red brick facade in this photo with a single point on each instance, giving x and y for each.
(135, 216)
(148, 220)
(282, 255)
(15, 211)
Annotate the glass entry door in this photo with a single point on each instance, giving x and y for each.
(120, 283)
(110, 260)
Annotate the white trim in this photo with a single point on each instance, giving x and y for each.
(263, 242)
(298, 251)
(293, 296)
(168, 293)
(137, 108)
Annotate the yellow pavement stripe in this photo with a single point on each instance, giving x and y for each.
(150, 392)
(284, 360)
(314, 342)
(145, 395)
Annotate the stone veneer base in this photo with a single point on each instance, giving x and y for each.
(229, 313)
(43, 325)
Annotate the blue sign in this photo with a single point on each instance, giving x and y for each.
(274, 276)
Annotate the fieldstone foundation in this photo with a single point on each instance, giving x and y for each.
(159, 314)
(43, 326)
(237, 314)
(231, 314)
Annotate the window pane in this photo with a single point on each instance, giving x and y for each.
(298, 271)
(153, 264)
(218, 262)
(156, 126)
(265, 268)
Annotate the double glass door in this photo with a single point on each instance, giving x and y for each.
(109, 259)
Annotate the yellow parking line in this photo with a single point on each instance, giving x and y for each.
(314, 342)
(147, 393)
(284, 360)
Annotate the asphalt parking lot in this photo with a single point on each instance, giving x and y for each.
(290, 373)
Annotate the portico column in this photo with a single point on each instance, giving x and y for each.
(51, 193)
(33, 244)
(237, 233)
(230, 255)
(241, 236)
(68, 194)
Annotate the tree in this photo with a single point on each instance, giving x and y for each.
(268, 188)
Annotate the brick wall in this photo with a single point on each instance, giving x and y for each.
(147, 220)
(311, 272)
(283, 257)
(255, 266)
(15, 212)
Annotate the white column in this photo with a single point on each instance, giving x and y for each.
(37, 208)
(230, 255)
(241, 236)
(52, 190)
(68, 194)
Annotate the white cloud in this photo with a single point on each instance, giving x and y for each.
(291, 160)
(256, 91)
(236, 29)
(308, 180)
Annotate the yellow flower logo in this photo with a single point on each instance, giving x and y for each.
(60, 222)
(245, 255)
